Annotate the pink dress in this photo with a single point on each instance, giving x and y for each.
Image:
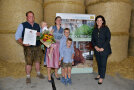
(52, 59)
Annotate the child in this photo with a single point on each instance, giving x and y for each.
(67, 57)
(62, 45)
(44, 27)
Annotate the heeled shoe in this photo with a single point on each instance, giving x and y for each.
(100, 83)
(96, 78)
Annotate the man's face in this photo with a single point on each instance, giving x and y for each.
(66, 33)
(30, 18)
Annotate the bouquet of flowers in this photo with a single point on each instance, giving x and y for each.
(47, 38)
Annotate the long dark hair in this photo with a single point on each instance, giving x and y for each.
(56, 19)
(103, 19)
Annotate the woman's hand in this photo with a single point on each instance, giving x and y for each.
(97, 48)
(101, 49)
(52, 31)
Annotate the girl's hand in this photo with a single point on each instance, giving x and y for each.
(59, 62)
(73, 63)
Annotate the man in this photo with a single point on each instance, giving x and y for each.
(32, 53)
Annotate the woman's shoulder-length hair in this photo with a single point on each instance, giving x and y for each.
(103, 19)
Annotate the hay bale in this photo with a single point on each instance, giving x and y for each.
(17, 70)
(12, 13)
(51, 7)
(117, 14)
(131, 38)
(124, 68)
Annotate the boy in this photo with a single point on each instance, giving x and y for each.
(62, 45)
(67, 58)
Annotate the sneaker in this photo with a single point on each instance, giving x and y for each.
(28, 80)
(63, 80)
(41, 76)
(50, 81)
(70, 81)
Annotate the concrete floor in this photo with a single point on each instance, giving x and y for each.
(80, 82)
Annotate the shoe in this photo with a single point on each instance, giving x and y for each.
(70, 81)
(63, 80)
(41, 76)
(99, 83)
(28, 80)
(50, 81)
(96, 78)
(58, 78)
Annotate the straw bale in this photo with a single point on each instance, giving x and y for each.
(12, 12)
(91, 2)
(131, 46)
(51, 7)
(117, 14)
(17, 70)
(119, 46)
(10, 50)
(124, 68)
(131, 38)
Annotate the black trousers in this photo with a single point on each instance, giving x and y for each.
(102, 63)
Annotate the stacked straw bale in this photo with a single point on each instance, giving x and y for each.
(51, 7)
(117, 14)
(12, 13)
(131, 38)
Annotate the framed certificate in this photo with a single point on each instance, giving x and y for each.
(30, 37)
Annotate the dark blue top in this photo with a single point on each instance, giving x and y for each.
(34, 27)
(101, 38)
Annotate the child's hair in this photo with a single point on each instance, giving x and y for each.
(42, 22)
(69, 39)
(67, 29)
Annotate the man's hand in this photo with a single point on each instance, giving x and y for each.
(38, 33)
(26, 45)
(21, 42)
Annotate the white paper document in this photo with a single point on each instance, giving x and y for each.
(30, 37)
